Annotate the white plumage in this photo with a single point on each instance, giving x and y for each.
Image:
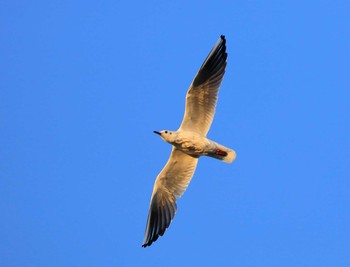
(189, 143)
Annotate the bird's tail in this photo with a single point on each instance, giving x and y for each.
(222, 153)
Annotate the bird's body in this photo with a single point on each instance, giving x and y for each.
(189, 142)
(197, 145)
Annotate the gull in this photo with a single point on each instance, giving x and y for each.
(189, 142)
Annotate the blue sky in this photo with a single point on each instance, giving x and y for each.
(84, 84)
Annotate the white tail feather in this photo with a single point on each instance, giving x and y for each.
(218, 151)
(231, 155)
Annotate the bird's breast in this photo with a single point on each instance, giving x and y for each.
(191, 144)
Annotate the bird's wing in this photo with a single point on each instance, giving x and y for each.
(202, 95)
(170, 184)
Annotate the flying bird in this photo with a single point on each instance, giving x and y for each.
(189, 142)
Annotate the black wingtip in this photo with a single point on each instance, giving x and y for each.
(161, 213)
(214, 64)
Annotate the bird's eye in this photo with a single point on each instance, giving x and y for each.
(166, 131)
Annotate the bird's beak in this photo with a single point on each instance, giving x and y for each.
(157, 132)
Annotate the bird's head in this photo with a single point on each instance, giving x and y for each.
(166, 135)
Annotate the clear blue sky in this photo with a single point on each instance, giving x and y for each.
(84, 84)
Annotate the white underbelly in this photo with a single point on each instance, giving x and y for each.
(194, 145)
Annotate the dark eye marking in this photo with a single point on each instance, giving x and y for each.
(166, 131)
